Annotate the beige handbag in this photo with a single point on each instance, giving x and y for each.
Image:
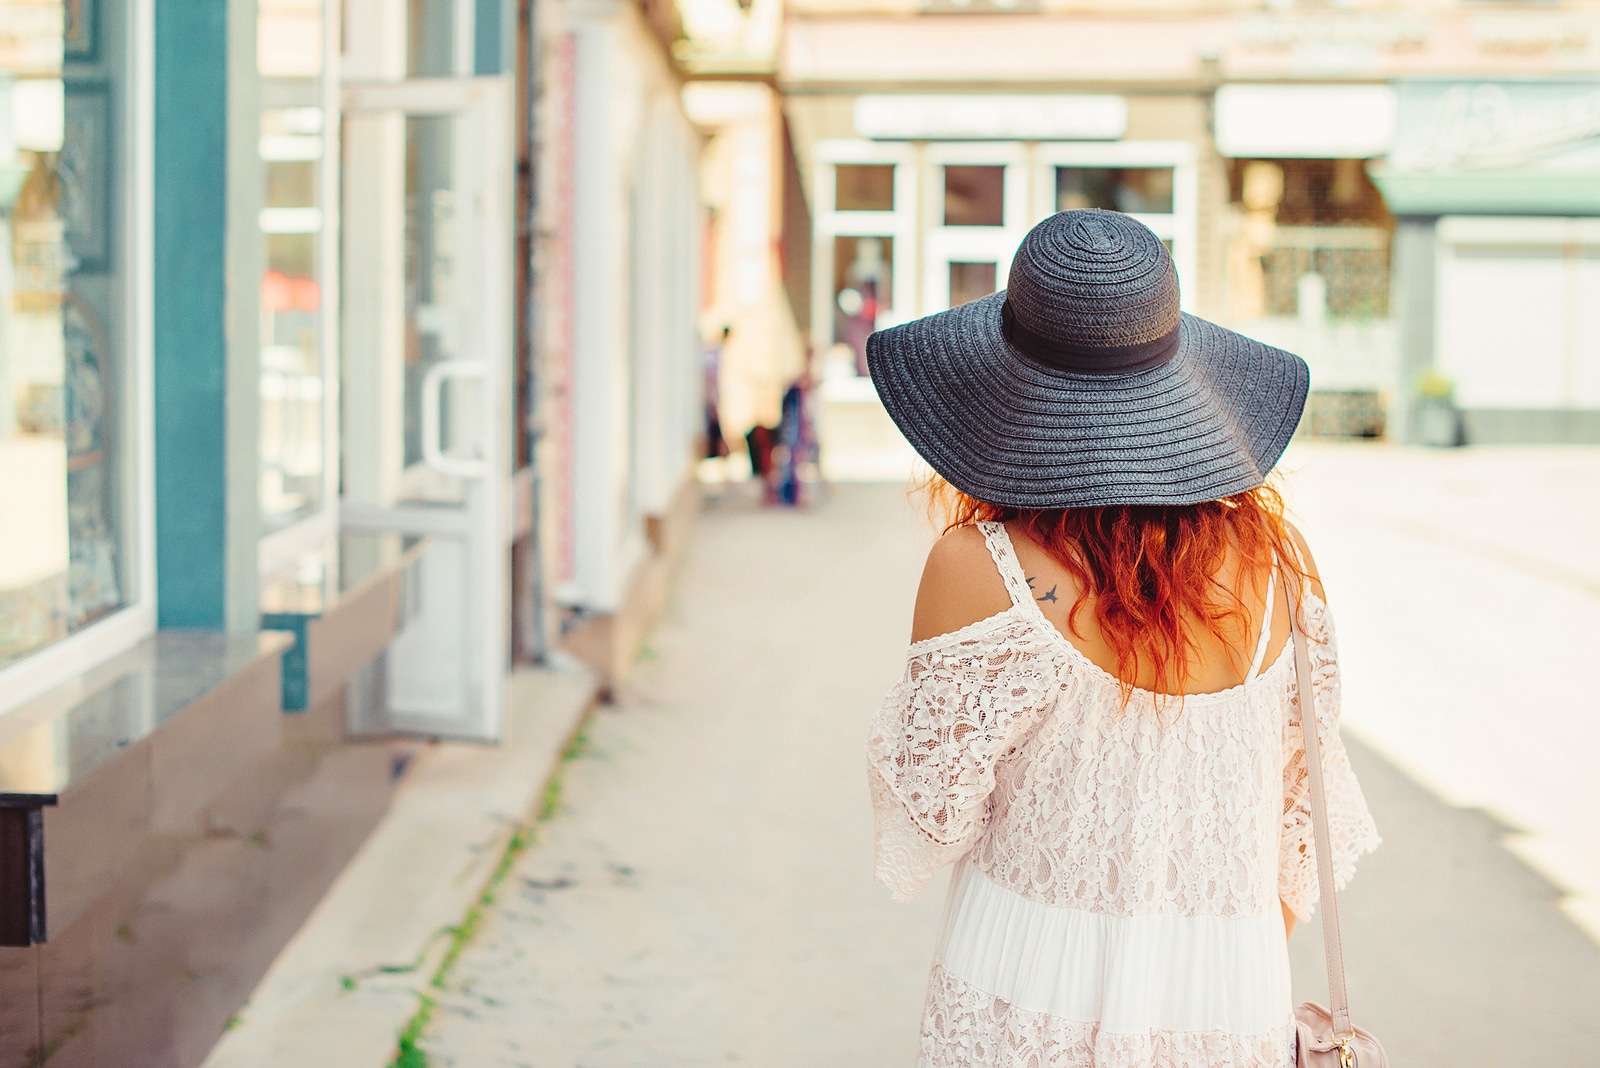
(1327, 1038)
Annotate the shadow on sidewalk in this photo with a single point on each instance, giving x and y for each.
(1457, 951)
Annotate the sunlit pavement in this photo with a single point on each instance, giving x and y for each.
(1466, 588)
(704, 894)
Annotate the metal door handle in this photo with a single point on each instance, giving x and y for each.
(432, 398)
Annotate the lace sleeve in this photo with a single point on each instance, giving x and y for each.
(965, 703)
(1350, 828)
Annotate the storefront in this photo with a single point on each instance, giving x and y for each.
(1308, 241)
(1498, 187)
(1299, 225)
(318, 399)
(927, 214)
(77, 577)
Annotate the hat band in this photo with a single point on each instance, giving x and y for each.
(1085, 359)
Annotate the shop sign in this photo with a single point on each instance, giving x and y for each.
(1304, 121)
(1452, 126)
(1520, 34)
(1504, 147)
(991, 117)
(1371, 30)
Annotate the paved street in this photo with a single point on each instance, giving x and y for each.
(704, 893)
(1467, 589)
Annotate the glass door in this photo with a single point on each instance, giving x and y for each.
(975, 214)
(427, 275)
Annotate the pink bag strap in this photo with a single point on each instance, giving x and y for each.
(1332, 942)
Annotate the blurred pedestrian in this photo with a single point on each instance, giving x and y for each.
(796, 457)
(716, 443)
(761, 442)
(1099, 721)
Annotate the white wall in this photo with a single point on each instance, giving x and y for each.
(633, 295)
(1517, 326)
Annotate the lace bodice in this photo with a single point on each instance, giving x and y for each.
(1119, 860)
(1004, 744)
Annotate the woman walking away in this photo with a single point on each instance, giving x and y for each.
(1099, 722)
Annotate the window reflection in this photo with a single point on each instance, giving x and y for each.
(430, 38)
(61, 322)
(293, 458)
(433, 303)
(862, 287)
(974, 196)
(1129, 189)
(298, 586)
(863, 187)
(970, 282)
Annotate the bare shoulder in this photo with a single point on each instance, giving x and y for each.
(1309, 561)
(960, 585)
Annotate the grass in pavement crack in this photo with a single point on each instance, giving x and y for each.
(409, 1052)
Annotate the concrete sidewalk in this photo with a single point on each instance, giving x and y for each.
(704, 894)
(359, 969)
(1467, 591)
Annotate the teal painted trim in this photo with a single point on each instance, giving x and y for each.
(191, 210)
(1489, 193)
(296, 661)
(487, 47)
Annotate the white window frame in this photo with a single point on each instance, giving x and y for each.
(67, 659)
(829, 223)
(924, 245)
(900, 224)
(1180, 227)
(944, 244)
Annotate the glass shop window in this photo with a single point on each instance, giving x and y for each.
(1315, 230)
(863, 187)
(431, 38)
(971, 281)
(293, 452)
(433, 333)
(66, 507)
(974, 196)
(1136, 190)
(862, 287)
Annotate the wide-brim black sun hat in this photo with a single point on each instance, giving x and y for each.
(1083, 384)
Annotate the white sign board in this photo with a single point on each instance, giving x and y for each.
(1532, 126)
(991, 117)
(1305, 121)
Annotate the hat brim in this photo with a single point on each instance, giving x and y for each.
(1008, 430)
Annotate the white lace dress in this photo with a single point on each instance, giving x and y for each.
(1118, 869)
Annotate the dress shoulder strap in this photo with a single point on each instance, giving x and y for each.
(1266, 623)
(1005, 561)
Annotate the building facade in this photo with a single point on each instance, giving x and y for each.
(1316, 171)
(349, 356)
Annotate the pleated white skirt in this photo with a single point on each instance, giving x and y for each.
(1123, 988)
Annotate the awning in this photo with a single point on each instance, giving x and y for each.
(1507, 148)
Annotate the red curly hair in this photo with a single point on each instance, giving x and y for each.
(1149, 571)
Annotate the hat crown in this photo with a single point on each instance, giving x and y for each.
(1089, 280)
